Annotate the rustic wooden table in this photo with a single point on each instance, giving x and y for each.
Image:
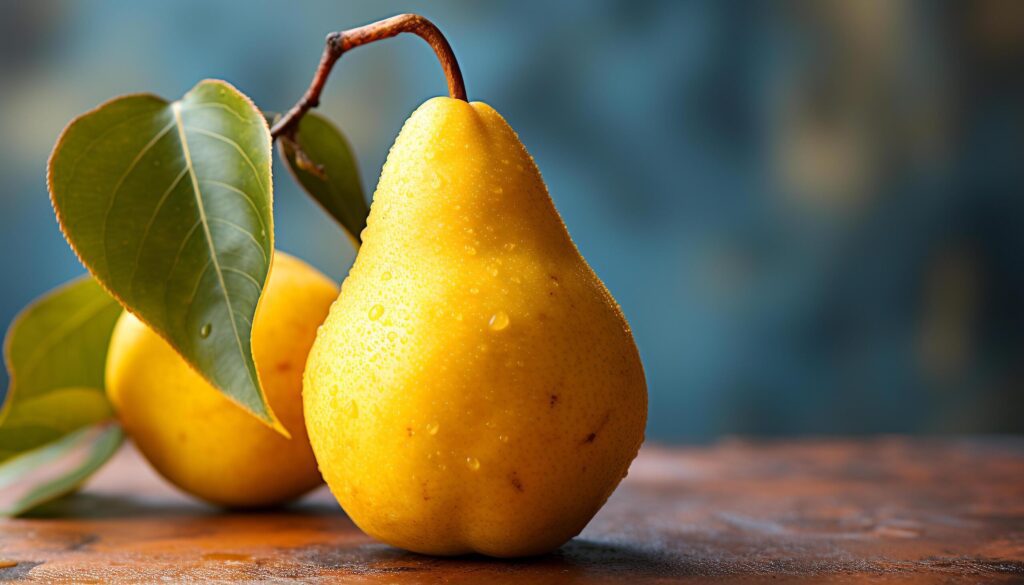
(880, 510)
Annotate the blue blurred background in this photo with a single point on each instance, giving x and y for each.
(811, 212)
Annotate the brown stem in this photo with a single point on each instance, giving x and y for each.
(340, 42)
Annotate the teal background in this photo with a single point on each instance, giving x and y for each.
(810, 213)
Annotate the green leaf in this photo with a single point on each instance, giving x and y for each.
(168, 204)
(325, 167)
(56, 469)
(56, 354)
(35, 421)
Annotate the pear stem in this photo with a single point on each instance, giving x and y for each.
(339, 42)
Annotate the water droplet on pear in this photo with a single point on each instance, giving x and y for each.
(499, 321)
(376, 311)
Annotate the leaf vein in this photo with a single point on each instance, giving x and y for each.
(233, 144)
(248, 277)
(120, 183)
(244, 195)
(92, 144)
(149, 226)
(176, 108)
(247, 233)
(203, 106)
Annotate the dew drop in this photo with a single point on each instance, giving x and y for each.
(474, 290)
(376, 311)
(471, 250)
(205, 330)
(498, 321)
(473, 463)
(392, 336)
(493, 271)
(432, 429)
(504, 161)
(509, 246)
(385, 276)
(497, 190)
(503, 438)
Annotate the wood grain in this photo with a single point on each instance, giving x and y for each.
(882, 510)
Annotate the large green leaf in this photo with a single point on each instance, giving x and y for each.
(325, 167)
(56, 353)
(48, 472)
(169, 205)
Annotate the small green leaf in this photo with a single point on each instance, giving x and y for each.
(325, 167)
(169, 206)
(34, 421)
(56, 354)
(58, 468)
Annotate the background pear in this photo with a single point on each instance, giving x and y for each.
(193, 434)
(475, 388)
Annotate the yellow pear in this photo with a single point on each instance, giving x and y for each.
(195, 436)
(475, 388)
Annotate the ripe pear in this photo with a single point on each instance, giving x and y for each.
(195, 436)
(475, 387)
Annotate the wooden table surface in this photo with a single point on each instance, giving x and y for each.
(878, 510)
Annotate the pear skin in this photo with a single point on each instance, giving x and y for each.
(475, 387)
(195, 436)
